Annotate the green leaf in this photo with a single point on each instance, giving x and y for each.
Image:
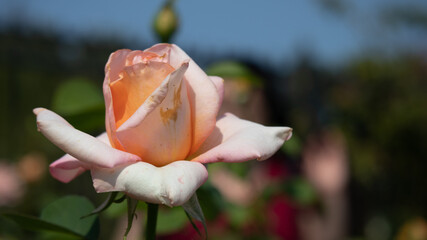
(210, 200)
(300, 190)
(67, 212)
(234, 70)
(293, 146)
(37, 224)
(170, 220)
(238, 215)
(193, 209)
(91, 121)
(77, 96)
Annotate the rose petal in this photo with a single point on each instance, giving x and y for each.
(204, 99)
(237, 140)
(115, 64)
(68, 167)
(139, 56)
(159, 131)
(135, 85)
(171, 185)
(79, 144)
(219, 84)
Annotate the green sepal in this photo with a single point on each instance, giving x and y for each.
(104, 205)
(121, 199)
(193, 210)
(132, 204)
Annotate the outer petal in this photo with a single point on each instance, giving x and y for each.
(237, 140)
(67, 167)
(79, 144)
(116, 63)
(219, 84)
(204, 99)
(160, 130)
(171, 185)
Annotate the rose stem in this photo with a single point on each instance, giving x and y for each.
(150, 230)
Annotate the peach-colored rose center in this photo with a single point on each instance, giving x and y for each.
(135, 85)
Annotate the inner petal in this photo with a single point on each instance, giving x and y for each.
(164, 134)
(139, 56)
(135, 85)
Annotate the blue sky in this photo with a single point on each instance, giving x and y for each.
(273, 29)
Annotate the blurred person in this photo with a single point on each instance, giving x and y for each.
(325, 164)
(272, 217)
(244, 100)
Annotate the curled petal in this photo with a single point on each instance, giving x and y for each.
(68, 167)
(116, 63)
(160, 130)
(171, 185)
(78, 144)
(202, 92)
(237, 140)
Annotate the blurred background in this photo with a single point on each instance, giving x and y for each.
(350, 77)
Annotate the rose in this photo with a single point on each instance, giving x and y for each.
(161, 128)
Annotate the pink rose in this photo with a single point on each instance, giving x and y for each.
(161, 123)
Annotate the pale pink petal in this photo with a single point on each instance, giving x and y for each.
(139, 56)
(116, 62)
(203, 94)
(219, 84)
(68, 167)
(237, 140)
(171, 185)
(103, 137)
(79, 144)
(160, 130)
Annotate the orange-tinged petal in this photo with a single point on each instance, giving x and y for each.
(160, 130)
(116, 63)
(135, 85)
(204, 97)
(139, 56)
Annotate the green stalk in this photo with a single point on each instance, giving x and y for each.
(150, 230)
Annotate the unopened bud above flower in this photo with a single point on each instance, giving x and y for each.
(166, 22)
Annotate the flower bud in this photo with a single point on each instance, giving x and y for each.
(166, 22)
